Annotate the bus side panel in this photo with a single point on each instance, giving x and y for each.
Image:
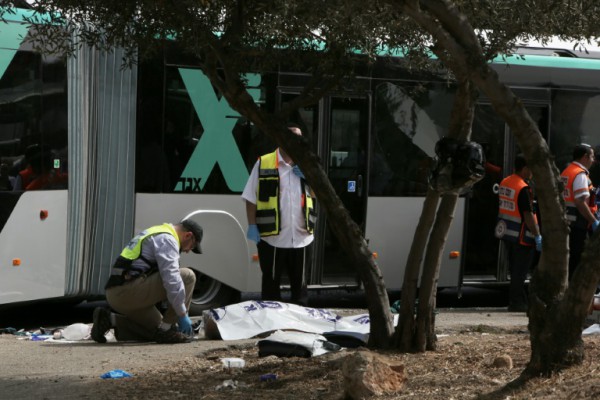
(39, 244)
(226, 256)
(391, 225)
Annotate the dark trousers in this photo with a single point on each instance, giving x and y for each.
(577, 237)
(275, 260)
(520, 260)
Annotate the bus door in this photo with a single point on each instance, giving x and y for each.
(485, 260)
(338, 130)
(344, 147)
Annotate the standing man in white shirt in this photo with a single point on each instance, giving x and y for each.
(281, 220)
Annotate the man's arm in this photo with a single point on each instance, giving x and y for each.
(167, 258)
(253, 233)
(251, 212)
(530, 222)
(584, 209)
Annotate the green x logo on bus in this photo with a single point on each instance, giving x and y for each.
(217, 144)
(11, 36)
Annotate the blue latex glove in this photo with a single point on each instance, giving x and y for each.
(253, 233)
(595, 225)
(298, 172)
(538, 243)
(185, 325)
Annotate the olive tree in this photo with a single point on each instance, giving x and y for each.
(227, 39)
(465, 36)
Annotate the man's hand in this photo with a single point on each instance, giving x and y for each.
(185, 325)
(538, 243)
(253, 233)
(595, 225)
(298, 172)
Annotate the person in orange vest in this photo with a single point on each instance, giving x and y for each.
(580, 201)
(518, 227)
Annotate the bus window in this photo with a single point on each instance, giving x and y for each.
(576, 122)
(408, 122)
(197, 143)
(33, 123)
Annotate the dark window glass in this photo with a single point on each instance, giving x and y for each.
(33, 122)
(408, 121)
(481, 246)
(189, 140)
(574, 119)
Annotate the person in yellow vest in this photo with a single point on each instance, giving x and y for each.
(518, 227)
(580, 201)
(147, 272)
(281, 219)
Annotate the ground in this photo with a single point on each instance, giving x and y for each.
(461, 368)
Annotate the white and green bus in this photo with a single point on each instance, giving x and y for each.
(124, 149)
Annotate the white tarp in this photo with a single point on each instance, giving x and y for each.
(251, 318)
(593, 329)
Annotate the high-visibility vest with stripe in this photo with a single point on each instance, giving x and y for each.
(568, 177)
(511, 226)
(133, 250)
(268, 218)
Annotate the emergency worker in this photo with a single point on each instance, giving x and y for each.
(281, 219)
(147, 273)
(580, 201)
(518, 227)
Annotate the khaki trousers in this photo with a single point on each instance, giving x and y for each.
(136, 301)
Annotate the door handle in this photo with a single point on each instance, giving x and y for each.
(359, 185)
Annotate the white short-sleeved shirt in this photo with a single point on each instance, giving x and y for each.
(581, 183)
(292, 225)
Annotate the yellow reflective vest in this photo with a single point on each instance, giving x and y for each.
(133, 250)
(267, 198)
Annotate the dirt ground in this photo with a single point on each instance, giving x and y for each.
(461, 368)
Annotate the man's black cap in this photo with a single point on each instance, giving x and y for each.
(196, 229)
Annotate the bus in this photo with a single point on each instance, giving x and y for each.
(123, 149)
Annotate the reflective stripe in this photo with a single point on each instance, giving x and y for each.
(269, 172)
(510, 218)
(510, 232)
(265, 220)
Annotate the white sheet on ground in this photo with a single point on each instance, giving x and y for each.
(591, 330)
(250, 318)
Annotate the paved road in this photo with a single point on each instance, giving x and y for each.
(32, 369)
(50, 314)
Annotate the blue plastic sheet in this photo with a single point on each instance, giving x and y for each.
(115, 374)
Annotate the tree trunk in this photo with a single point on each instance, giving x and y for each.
(419, 335)
(425, 333)
(556, 326)
(345, 229)
(404, 338)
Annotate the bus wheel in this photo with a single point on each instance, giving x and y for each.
(210, 293)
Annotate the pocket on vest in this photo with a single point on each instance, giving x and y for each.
(267, 189)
